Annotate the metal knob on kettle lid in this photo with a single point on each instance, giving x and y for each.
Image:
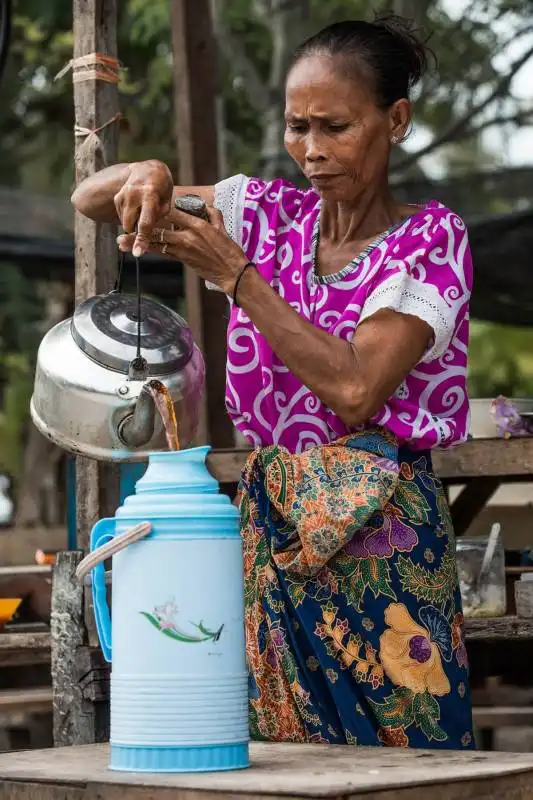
(93, 373)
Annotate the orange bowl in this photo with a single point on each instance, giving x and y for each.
(8, 606)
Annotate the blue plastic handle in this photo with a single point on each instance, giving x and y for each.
(103, 532)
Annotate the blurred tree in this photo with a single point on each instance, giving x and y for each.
(501, 361)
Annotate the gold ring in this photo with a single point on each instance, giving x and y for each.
(164, 248)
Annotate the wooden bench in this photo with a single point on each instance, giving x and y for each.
(25, 718)
(25, 709)
(291, 772)
(478, 458)
(34, 700)
(499, 629)
(24, 648)
(490, 718)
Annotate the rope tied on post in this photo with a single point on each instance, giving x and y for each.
(92, 67)
(92, 143)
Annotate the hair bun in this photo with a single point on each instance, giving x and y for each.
(388, 53)
(409, 38)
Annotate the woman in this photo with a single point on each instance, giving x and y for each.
(347, 352)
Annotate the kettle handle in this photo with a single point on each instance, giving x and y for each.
(105, 544)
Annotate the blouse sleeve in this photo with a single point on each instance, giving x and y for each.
(429, 276)
(230, 195)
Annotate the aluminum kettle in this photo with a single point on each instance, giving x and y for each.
(91, 392)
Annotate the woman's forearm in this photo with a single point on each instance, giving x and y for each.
(354, 379)
(94, 197)
(327, 365)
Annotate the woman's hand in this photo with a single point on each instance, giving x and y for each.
(144, 199)
(204, 246)
(132, 194)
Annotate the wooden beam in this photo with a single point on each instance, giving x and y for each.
(471, 501)
(195, 58)
(499, 629)
(33, 700)
(481, 458)
(484, 458)
(18, 649)
(503, 716)
(96, 106)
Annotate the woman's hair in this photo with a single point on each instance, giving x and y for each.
(387, 51)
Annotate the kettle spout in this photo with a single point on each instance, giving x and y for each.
(137, 428)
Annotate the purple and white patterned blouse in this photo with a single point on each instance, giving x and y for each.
(421, 267)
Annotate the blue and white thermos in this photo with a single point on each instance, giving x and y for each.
(179, 689)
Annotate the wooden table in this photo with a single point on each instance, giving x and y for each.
(480, 465)
(477, 458)
(279, 771)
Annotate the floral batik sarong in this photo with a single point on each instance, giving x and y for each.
(353, 613)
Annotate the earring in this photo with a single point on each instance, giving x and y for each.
(395, 139)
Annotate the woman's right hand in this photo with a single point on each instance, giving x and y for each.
(144, 199)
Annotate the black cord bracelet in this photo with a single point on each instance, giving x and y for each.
(243, 270)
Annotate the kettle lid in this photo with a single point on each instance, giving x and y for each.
(105, 328)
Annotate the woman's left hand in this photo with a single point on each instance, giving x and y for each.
(204, 246)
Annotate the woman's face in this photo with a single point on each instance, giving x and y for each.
(334, 130)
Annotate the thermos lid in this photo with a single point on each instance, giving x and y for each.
(105, 327)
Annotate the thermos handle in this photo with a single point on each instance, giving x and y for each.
(105, 544)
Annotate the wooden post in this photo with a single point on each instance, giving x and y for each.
(74, 641)
(195, 100)
(96, 106)
(79, 677)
